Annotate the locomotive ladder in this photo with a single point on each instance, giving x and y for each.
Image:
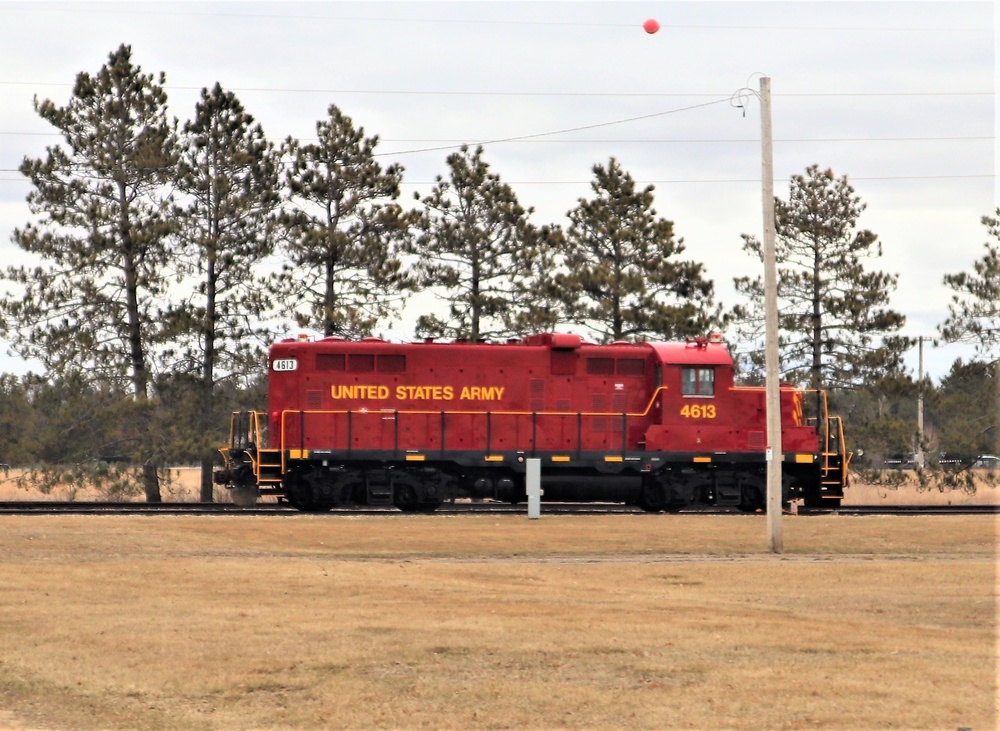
(246, 435)
(267, 467)
(833, 477)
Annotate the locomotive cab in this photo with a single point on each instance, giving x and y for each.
(715, 435)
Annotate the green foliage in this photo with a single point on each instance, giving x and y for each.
(91, 306)
(112, 482)
(480, 254)
(962, 410)
(975, 307)
(880, 417)
(835, 327)
(228, 177)
(974, 317)
(19, 434)
(71, 434)
(343, 233)
(622, 279)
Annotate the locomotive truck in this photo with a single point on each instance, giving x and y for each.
(660, 425)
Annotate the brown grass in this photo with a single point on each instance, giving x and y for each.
(179, 484)
(611, 622)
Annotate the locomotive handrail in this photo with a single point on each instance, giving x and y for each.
(244, 432)
(253, 417)
(464, 412)
(826, 419)
(827, 450)
(580, 415)
(349, 413)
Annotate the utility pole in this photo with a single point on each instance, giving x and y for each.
(920, 403)
(775, 541)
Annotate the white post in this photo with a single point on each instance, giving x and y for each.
(775, 542)
(920, 407)
(533, 487)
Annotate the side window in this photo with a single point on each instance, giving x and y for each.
(698, 381)
(706, 381)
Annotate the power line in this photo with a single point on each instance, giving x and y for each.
(558, 131)
(584, 94)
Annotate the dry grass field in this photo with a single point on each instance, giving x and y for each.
(478, 622)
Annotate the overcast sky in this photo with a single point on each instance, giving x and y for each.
(898, 96)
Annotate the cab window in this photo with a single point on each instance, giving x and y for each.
(698, 381)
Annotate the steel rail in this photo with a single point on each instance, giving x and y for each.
(274, 508)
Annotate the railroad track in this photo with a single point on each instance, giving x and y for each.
(277, 509)
(915, 510)
(272, 508)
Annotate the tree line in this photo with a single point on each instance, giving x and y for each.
(163, 255)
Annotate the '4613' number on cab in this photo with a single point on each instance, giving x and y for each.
(698, 411)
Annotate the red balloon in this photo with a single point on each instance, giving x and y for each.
(651, 26)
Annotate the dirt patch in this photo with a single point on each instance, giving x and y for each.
(9, 723)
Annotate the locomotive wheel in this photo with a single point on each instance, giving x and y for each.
(751, 499)
(652, 497)
(303, 497)
(309, 506)
(405, 498)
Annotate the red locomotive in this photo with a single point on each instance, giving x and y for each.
(659, 425)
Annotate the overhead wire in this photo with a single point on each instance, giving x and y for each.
(143, 9)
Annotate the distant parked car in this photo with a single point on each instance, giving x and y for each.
(900, 461)
(986, 462)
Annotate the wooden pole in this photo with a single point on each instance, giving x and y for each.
(775, 541)
(920, 405)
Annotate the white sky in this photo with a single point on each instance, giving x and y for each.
(899, 96)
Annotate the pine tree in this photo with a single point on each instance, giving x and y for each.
(481, 254)
(962, 412)
(344, 232)
(622, 278)
(228, 175)
(91, 305)
(882, 417)
(974, 316)
(835, 327)
(974, 312)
